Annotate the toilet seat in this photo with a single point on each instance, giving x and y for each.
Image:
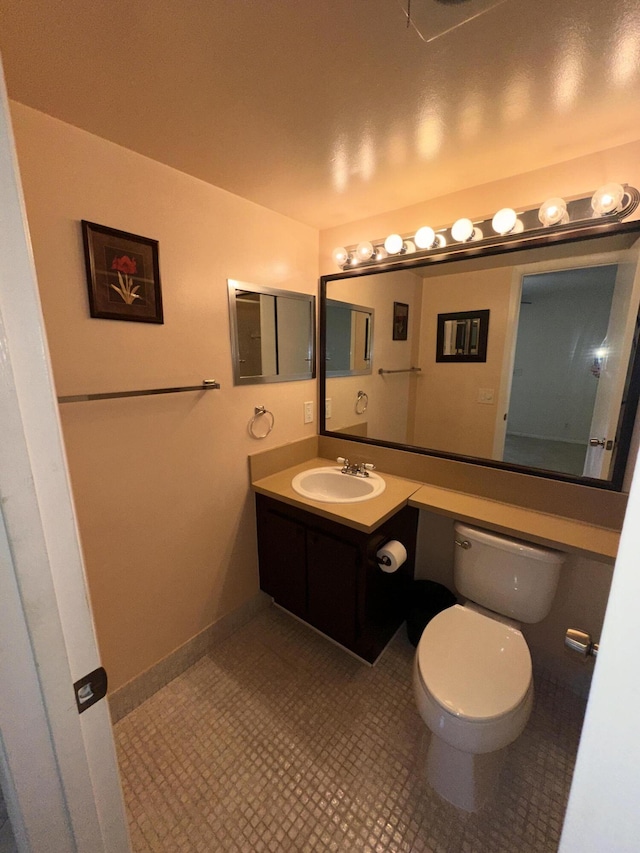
(475, 668)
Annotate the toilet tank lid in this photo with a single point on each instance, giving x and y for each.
(475, 667)
(506, 543)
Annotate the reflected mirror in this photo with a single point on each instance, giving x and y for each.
(272, 334)
(349, 339)
(549, 386)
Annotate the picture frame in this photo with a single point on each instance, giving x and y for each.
(123, 275)
(400, 321)
(462, 336)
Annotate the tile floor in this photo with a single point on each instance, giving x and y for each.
(277, 740)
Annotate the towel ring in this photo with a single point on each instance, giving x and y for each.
(259, 411)
(362, 401)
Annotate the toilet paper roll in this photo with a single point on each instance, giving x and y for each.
(391, 556)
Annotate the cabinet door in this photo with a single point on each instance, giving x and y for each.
(282, 558)
(332, 572)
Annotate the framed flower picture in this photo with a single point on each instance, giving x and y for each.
(123, 275)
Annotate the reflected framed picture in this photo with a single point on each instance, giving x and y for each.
(463, 336)
(400, 321)
(123, 275)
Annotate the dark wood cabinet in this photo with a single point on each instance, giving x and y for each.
(327, 573)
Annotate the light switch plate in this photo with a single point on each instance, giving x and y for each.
(327, 408)
(308, 412)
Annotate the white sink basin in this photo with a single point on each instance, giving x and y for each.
(332, 486)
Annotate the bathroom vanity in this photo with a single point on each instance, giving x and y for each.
(324, 570)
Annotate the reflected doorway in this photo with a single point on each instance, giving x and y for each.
(560, 351)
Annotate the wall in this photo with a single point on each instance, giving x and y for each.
(583, 593)
(451, 417)
(160, 483)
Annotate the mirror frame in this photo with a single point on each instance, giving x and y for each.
(234, 285)
(501, 246)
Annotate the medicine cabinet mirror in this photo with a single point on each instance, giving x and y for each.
(272, 334)
(549, 386)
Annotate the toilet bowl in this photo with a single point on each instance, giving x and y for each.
(472, 674)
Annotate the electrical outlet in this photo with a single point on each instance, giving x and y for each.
(327, 408)
(308, 412)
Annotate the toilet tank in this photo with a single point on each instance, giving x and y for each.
(505, 575)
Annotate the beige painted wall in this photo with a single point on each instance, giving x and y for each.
(584, 587)
(161, 486)
(450, 417)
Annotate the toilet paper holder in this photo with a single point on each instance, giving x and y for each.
(580, 642)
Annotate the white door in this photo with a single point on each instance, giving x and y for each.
(613, 367)
(58, 767)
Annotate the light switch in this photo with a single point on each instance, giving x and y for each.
(327, 408)
(308, 412)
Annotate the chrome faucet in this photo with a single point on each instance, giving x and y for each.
(356, 469)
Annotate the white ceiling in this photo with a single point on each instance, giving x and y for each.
(333, 110)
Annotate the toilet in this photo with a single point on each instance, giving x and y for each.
(472, 671)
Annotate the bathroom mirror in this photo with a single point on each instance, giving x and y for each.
(549, 386)
(272, 334)
(349, 339)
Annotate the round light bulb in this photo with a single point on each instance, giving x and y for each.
(462, 230)
(340, 256)
(393, 244)
(607, 199)
(364, 250)
(504, 221)
(425, 237)
(553, 212)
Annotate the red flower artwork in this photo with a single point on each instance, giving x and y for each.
(125, 267)
(125, 264)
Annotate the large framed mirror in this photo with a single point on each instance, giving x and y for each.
(557, 391)
(272, 334)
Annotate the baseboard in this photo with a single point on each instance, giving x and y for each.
(123, 700)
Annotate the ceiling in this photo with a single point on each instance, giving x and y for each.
(335, 110)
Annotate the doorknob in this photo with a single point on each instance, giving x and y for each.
(597, 442)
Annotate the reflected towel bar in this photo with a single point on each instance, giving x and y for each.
(404, 370)
(207, 385)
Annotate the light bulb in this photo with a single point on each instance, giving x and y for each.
(504, 221)
(462, 230)
(364, 251)
(553, 212)
(425, 237)
(340, 256)
(607, 199)
(393, 244)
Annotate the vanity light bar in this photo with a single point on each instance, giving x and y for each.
(610, 202)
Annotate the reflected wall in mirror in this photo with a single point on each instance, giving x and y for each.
(349, 338)
(557, 393)
(272, 334)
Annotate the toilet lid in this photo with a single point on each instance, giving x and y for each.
(474, 666)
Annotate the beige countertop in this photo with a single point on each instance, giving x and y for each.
(566, 534)
(553, 531)
(363, 515)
